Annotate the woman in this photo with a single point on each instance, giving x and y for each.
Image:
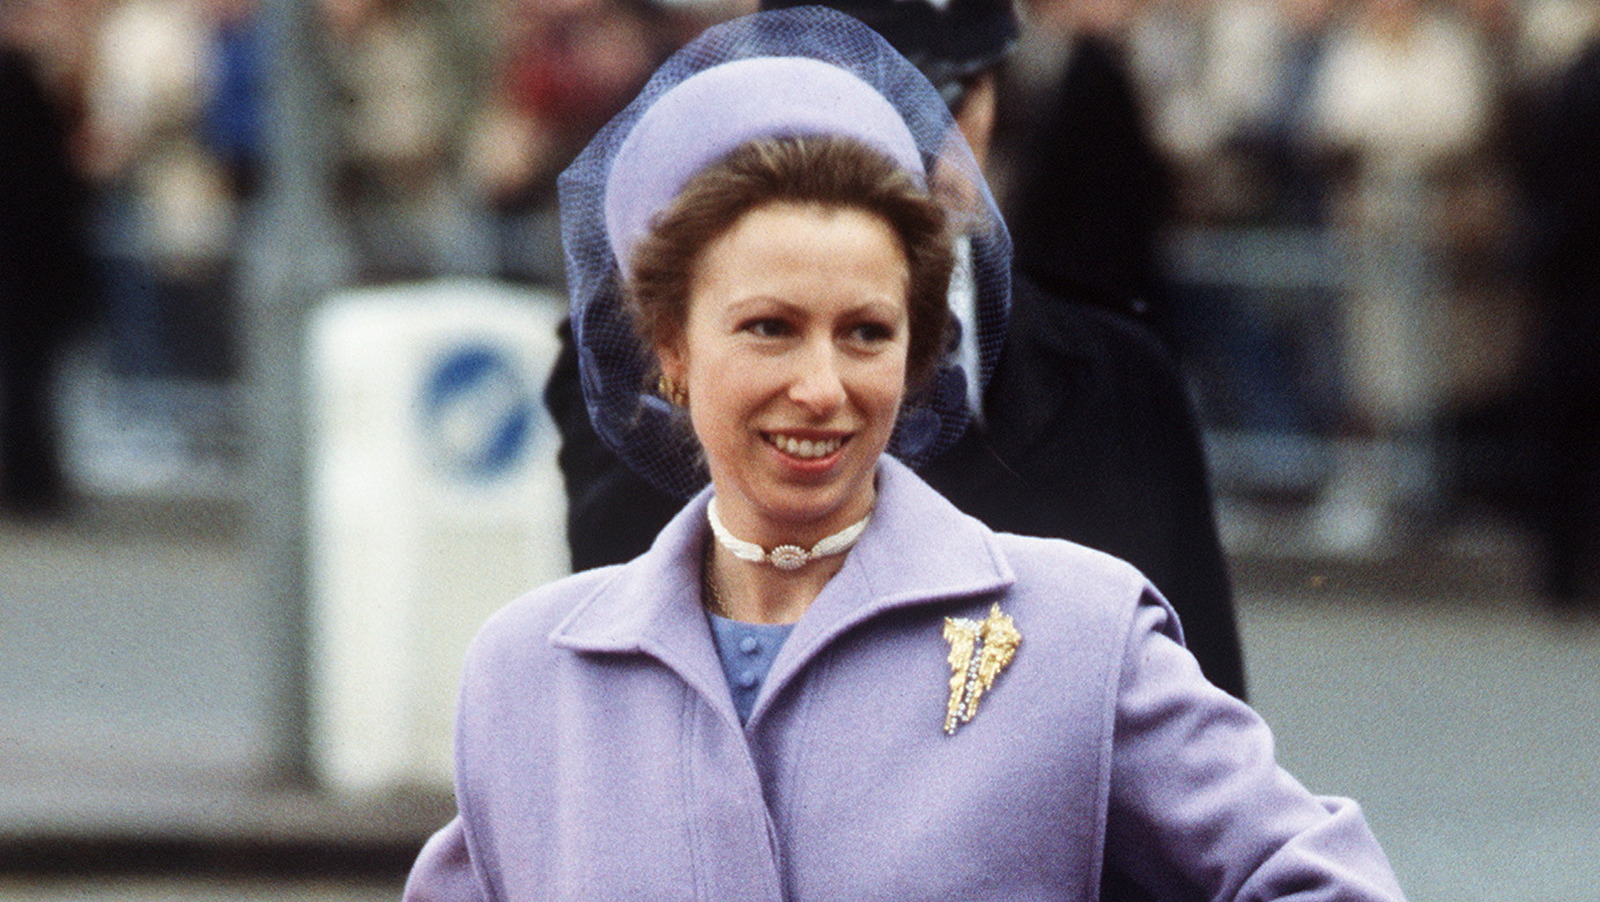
(823, 681)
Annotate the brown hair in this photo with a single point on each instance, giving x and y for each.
(828, 170)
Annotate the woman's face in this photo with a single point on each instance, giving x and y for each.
(793, 353)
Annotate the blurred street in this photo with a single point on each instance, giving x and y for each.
(1463, 716)
(1465, 720)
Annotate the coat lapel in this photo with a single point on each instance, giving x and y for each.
(651, 606)
(919, 550)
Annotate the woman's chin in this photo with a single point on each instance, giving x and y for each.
(795, 512)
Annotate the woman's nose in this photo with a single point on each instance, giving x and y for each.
(817, 385)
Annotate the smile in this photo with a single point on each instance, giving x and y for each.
(808, 449)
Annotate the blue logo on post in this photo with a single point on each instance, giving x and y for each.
(477, 412)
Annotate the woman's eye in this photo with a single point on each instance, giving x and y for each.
(767, 328)
(872, 333)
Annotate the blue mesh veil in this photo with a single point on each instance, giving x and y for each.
(649, 434)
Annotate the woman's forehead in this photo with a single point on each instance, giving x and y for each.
(805, 257)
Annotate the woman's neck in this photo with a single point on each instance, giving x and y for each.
(761, 593)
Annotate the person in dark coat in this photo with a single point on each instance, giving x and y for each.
(1563, 193)
(1086, 433)
(45, 284)
(1091, 191)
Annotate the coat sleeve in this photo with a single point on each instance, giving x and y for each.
(444, 870)
(1199, 807)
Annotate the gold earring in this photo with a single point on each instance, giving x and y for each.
(676, 394)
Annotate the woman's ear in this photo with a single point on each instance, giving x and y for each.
(673, 358)
(671, 385)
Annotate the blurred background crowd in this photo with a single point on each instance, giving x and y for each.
(1326, 207)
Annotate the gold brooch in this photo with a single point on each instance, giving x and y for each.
(979, 650)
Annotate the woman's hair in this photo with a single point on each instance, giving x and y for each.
(827, 170)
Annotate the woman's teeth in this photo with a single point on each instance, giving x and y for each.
(806, 448)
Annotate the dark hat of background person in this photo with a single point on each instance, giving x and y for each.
(949, 41)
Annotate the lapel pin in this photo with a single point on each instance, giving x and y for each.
(979, 650)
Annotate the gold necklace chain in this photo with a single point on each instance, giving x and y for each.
(710, 598)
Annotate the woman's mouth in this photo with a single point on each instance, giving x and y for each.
(804, 448)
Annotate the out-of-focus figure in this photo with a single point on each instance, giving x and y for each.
(1088, 193)
(1563, 191)
(233, 109)
(402, 100)
(1209, 70)
(171, 142)
(166, 213)
(1401, 102)
(561, 69)
(46, 293)
(1227, 84)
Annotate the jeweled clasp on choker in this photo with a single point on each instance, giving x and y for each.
(784, 557)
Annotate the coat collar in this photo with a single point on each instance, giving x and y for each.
(919, 549)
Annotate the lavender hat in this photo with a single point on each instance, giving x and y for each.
(705, 117)
(794, 72)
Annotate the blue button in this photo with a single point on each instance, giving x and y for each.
(748, 679)
(749, 645)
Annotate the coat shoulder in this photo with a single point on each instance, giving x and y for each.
(1104, 591)
(1048, 559)
(525, 625)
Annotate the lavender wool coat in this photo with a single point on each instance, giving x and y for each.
(599, 756)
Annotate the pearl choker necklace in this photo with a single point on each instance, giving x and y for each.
(784, 557)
